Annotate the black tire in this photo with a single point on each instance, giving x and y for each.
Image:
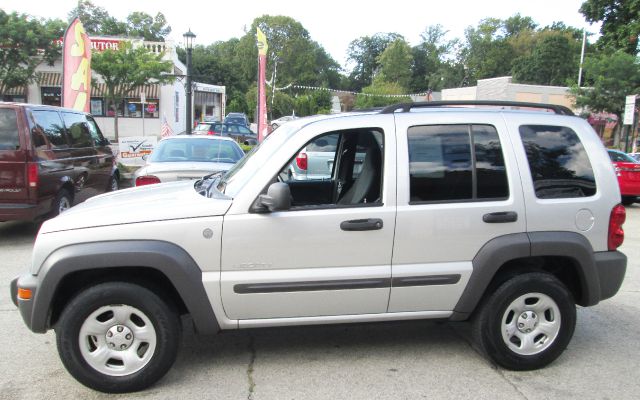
(87, 308)
(62, 202)
(628, 200)
(113, 184)
(496, 314)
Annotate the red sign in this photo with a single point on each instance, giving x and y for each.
(76, 67)
(151, 108)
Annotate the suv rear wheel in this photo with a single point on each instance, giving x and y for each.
(527, 322)
(61, 203)
(118, 337)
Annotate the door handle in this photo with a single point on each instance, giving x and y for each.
(369, 224)
(500, 217)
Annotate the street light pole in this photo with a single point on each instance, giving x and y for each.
(188, 39)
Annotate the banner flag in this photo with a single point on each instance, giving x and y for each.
(76, 67)
(165, 129)
(262, 93)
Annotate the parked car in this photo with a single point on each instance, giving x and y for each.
(282, 120)
(179, 158)
(628, 173)
(50, 159)
(240, 133)
(636, 156)
(237, 118)
(315, 161)
(509, 219)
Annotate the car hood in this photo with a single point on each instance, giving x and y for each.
(165, 201)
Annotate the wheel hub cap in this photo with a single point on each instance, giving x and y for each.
(119, 337)
(527, 322)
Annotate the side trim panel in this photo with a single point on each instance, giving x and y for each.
(171, 260)
(279, 287)
(407, 281)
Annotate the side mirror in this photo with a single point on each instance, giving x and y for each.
(278, 197)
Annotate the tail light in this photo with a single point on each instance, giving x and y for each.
(616, 234)
(32, 174)
(147, 180)
(302, 161)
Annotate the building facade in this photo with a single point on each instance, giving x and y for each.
(145, 109)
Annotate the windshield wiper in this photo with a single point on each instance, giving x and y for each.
(200, 182)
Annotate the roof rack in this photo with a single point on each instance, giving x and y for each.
(406, 107)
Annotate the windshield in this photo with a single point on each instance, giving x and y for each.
(621, 157)
(197, 149)
(233, 181)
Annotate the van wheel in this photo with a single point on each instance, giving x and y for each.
(61, 203)
(118, 337)
(526, 323)
(113, 184)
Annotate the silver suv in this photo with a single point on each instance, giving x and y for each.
(502, 215)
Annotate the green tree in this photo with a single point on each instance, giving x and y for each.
(141, 24)
(610, 77)
(25, 43)
(553, 61)
(364, 53)
(395, 64)
(433, 65)
(127, 68)
(620, 23)
(380, 94)
(96, 20)
(487, 52)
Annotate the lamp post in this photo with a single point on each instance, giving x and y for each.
(188, 41)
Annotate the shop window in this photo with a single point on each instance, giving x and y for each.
(133, 108)
(97, 107)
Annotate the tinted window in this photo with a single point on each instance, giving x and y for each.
(8, 129)
(621, 157)
(49, 124)
(558, 161)
(78, 130)
(443, 167)
(95, 133)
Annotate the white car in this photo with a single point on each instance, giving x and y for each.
(507, 218)
(276, 123)
(183, 157)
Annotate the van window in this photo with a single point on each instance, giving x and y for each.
(559, 164)
(456, 163)
(49, 124)
(8, 129)
(78, 130)
(95, 133)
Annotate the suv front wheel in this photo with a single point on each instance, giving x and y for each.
(118, 337)
(527, 322)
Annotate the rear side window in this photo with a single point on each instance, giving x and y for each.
(95, 133)
(49, 124)
(8, 129)
(456, 163)
(78, 130)
(559, 164)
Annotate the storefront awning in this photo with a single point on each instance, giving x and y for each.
(151, 91)
(50, 79)
(16, 91)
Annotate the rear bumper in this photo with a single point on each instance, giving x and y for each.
(611, 267)
(18, 212)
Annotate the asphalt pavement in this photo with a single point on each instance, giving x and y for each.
(408, 360)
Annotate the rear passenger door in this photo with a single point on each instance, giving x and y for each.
(86, 168)
(458, 188)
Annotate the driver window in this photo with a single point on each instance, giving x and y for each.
(337, 169)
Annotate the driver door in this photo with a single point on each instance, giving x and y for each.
(325, 256)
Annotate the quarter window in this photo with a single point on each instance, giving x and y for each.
(49, 124)
(456, 163)
(78, 130)
(559, 164)
(8, 130)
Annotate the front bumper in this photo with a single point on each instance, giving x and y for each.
(611, 267)
(25, 307)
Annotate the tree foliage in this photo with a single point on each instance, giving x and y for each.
(379, 94)
(552, 61)
(620, 23)
(364, 53)
(395, 64)
(25, 43)
(125, 69)
(434, 64)
(97, 21)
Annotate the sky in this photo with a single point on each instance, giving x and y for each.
(331, 23)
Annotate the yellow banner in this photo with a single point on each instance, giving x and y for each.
(261, 42)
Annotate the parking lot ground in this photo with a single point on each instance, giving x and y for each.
(404, 360)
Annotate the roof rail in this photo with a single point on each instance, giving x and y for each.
(406, 107)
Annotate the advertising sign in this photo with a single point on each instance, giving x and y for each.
(76, 67)
(629, 110)
(262, 95)
(133, 148)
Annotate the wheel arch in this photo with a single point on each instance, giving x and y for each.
(566, 255)
(157, 265)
